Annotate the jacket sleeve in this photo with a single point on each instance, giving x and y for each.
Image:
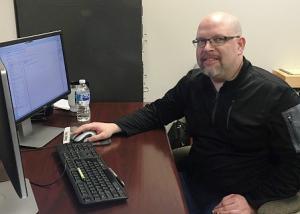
(283, 180)
(158, 113)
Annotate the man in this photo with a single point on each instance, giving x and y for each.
(242, 119)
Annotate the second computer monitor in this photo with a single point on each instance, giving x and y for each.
(16, 195)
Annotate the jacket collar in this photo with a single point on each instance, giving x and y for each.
(241, 76)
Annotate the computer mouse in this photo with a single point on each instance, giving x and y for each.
(82, 137)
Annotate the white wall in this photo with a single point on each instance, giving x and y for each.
(7, 21)
(271, 27)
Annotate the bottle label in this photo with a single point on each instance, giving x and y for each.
(82, 98)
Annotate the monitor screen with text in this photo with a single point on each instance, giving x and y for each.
(36, 70)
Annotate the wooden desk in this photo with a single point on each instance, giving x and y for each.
(143, 161)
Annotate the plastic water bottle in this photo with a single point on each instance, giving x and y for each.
(83, 102)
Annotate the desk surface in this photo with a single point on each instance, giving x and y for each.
(143, 161)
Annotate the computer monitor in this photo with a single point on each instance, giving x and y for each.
(16, 195)
(37, 77)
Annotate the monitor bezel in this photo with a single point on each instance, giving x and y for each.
(36, 37)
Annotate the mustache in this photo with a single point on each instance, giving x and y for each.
(209, 56)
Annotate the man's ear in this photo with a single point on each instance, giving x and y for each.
(241, 45)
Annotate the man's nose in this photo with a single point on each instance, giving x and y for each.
(208, 45)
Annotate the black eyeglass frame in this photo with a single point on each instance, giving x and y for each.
(214, 41)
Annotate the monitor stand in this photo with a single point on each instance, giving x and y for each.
(10, 203)
(36, 135)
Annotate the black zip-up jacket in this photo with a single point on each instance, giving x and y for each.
(244, 136)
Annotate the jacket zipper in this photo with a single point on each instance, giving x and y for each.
(215, 108)
(229, 113)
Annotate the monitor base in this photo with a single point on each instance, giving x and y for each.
(10, 203)
(39, 136)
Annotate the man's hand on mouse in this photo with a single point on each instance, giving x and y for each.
(103, 130)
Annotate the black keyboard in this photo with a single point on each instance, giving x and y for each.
(92, 180)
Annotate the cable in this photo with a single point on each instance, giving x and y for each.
(52, 182)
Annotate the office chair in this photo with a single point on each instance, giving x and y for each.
(284, 206)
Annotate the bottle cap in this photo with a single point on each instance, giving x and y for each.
(82, 81)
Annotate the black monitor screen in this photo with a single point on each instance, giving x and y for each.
(36, 72)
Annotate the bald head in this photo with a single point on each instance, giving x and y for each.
(226, 24)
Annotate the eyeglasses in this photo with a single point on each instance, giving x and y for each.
(214, 41)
